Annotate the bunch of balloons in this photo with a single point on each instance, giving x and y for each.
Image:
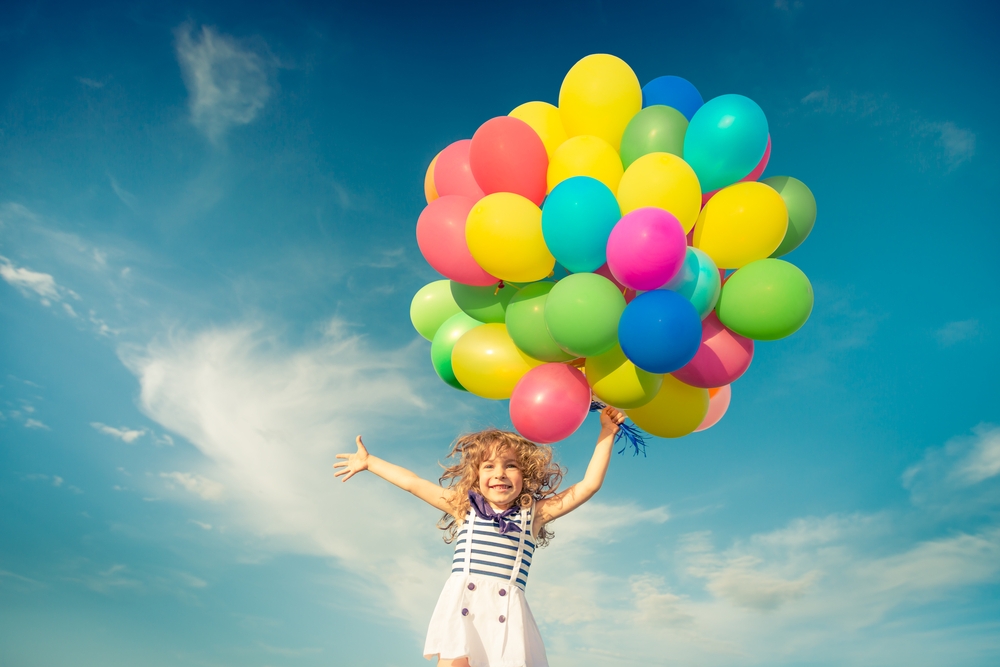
(586, 250)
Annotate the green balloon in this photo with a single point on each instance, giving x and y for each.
(444, 341)
(526, 323)
(582, 312)
(801, 206)
(431, 306)
(655, 129)
(765, 300)
(486, 304)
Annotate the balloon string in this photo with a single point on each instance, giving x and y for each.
(500, 286)
(628, 432)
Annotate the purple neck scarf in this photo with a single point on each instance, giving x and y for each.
(487, 513)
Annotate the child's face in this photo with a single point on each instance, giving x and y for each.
(500, 480)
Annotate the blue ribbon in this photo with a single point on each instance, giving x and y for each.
(487, 513)
(628, 432)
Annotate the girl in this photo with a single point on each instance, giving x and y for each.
(500, 495)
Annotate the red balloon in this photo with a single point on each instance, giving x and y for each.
(752, 176)
(550, 402)
(508, 156)
(441, 237)
(723, 356)
(452, 174)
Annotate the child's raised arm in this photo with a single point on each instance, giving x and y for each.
(429, 492)
(548, 509)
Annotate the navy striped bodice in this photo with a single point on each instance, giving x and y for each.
(494, 554)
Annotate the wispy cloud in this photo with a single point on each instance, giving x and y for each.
(228, 82)
(30, 282)
(125, 434)
(205, 488)
(35, 424)
(957, 144)
(90, 83)
(124, 195)
(957, 332)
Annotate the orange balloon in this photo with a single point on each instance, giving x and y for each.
(429, 190)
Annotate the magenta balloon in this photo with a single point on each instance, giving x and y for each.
(550, 402)
(606, 272)
(441, 237)
(722, 358)
(717, 406)
(453, 173)
(646, 248)
(754, 175)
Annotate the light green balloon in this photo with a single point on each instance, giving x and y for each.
(582, 313)
(526, 323)
(444, 341)
(766, 300)
(655, 129)
(486, 304)
(801, 206)
(431, 306)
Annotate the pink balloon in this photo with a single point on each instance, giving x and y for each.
(508, 156)
(646, 248)
(717, 406)
(550, 402)
(629, 294)
(452, 173)
(722, 358)
(441, 237)
(752, 176)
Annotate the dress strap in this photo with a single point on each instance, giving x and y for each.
(470, 520)
(520, 547)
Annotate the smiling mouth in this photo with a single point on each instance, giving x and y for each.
(500, 487)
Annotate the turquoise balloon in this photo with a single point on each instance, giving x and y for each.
(698, 281)
(577, 219)
(487, 304)
(725, 140)
(444, 341)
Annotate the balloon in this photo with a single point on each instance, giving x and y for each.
(504, 232)
(581, 314)
(577, 218)
(697, 281)
(429, 191)
(452, 173)
(431, 306)
(441, 237)
(544, 119)
(629, 294)
(655, 129)
(743, 223)
(486, 304)
(660, 331)
(722, 357)
(599, 96)
(646, 248)
(672, 91)
(725, 140)
(717, 406)
(549, 403)
(506, 155)
(664, 181)
(619, 382)
(585, 155)
(487, 363)
(766, 300)
(752, 176)
(801, 211)
(675, 411)
(526, 323)
(447, 335)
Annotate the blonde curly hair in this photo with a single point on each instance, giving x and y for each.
(541, 475)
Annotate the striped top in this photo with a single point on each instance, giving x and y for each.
(494, 554)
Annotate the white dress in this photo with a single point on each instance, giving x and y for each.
(482, 613)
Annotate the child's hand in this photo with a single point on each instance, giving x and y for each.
(355, 462)
(611, 418)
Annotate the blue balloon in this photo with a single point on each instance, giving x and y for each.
(660, 331)
(577, 219)
(725, 140)
(698, 281)
(672, 91)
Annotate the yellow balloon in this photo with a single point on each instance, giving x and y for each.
(504, 233)
(664, 181)
(585, 155)
(677, 410)
(618, 382)
(741, 224)
(545, 121)
(487, 363)
(599, 96)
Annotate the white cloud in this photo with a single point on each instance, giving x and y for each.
(956, 332)
(960, 477)
(228, 82)
(204, 526)
(35, 424)
(207, 489)
(958, 144)
(124, 195)
(57, 480)
(41, 284)
(125, 434)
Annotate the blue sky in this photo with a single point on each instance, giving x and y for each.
(207, 248)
